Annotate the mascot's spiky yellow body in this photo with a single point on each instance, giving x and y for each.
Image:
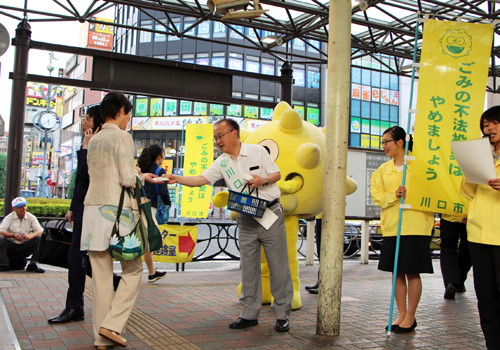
(297, 148)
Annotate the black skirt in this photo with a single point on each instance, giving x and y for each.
(414, 254)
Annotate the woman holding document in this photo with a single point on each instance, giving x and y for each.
(416, 227)
(484, 236)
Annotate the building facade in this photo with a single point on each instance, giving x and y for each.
(160, 119)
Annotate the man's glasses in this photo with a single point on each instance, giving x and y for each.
(386, 142)
(217, 138)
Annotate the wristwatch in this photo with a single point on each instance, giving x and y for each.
(266, 182)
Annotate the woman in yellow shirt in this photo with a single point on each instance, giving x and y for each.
(484, 236)
(416, 228)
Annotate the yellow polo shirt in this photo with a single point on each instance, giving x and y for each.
(383, 185)
(482, 224)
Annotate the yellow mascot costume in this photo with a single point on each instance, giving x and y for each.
(297, 148)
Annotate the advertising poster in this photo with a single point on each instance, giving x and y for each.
(156, 107)
(216, 109)
(300, 109)
(175, 123)
(234, 110)
(251, 112)
(186, 107)
(254, 124)
(169, 108)
(141, 107)
(141, 123)
(100, 36)
(313, 116)
(266, 113)
(200, 108)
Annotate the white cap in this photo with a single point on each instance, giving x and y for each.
(19, 202)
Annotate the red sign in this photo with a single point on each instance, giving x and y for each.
(100, 40)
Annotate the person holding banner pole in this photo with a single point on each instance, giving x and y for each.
(416, 228)
(484, 237)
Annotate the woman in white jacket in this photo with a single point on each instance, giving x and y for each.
(111, 166)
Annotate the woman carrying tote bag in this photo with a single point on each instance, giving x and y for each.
(111, 166)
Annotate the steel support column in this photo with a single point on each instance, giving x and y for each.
(17, 110)
(286, 83)
(337, 122)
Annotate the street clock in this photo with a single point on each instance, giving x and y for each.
(47, 121)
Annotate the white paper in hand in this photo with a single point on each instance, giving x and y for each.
(247, 177)
(475, 159)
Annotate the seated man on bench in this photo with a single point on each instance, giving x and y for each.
(19, 238)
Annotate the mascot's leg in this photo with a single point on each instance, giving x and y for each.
(292, 229)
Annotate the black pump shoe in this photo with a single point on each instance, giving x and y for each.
(393, 327)
(406, 330)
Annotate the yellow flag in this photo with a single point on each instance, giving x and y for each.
(451, 94)
(179, 243)
(198, 157)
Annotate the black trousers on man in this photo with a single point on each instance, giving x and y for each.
(454, 258)
(78, 268)
(486, 267)
(13, 255)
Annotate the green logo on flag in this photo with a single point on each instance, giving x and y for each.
(456, 43)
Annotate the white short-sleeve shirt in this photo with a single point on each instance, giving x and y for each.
(13, 224)
(253, 160)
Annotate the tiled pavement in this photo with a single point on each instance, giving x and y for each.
(192, 310)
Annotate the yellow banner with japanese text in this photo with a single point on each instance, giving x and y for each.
(451, 94)
(199, 155)
(179, 243)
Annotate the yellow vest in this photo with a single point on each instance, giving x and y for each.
(383, 185)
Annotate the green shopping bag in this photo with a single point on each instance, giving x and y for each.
(134, 244)
(154, 236)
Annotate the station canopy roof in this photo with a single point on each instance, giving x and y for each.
(384, 27)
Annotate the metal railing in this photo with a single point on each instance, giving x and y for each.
(218, 240)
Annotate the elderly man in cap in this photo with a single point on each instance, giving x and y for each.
(19, 238)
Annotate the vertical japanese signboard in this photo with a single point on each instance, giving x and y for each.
(198, 157)
(373, 162)
(451, 94)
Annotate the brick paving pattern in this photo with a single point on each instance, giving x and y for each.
(192, 310)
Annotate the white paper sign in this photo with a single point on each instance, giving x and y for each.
(475, 159)
(268, 219)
